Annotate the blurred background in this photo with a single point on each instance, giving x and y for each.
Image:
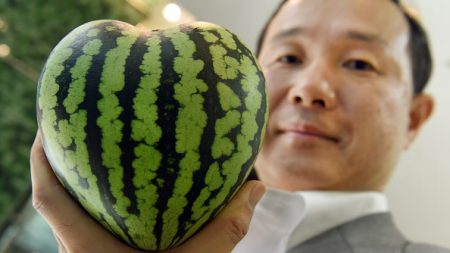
(419, 193)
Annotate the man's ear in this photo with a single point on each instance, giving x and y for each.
(421, 109)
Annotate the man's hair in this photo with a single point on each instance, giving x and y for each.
(419, 50)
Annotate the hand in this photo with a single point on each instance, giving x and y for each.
(76, 232)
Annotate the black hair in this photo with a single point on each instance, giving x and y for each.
(419, 49)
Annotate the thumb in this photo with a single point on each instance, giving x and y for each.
(225, 231)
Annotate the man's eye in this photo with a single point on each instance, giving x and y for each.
(290, 59)
(359, 65)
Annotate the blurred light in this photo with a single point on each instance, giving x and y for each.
(3, 25)
(4, 50)
(164, 14)
(172, 12)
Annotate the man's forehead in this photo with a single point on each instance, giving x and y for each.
(362, 36)
(370, 20)
(346, 4)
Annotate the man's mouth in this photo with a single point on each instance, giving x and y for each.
(307, 130)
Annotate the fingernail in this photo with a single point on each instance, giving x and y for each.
(256, 194)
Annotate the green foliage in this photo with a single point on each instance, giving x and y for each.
(33, 28)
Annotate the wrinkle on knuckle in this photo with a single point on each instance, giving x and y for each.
(39, 200)
(247, 211)
(236, 228)
(37, 205)
(42, 197)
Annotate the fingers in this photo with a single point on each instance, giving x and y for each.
(230, 226)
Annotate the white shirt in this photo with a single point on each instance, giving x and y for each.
(284, 219)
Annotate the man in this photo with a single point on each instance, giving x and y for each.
(345, 81)
(345, 85)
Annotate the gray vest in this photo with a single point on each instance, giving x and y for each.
(370, 234)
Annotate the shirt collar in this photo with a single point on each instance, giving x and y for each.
(325, 210)
(284, 219)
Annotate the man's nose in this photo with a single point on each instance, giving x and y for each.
(313, 88)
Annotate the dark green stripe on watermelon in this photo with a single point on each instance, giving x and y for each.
(133, 76)
(95, 135)
(167, 110)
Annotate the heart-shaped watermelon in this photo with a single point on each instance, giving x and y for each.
(152, 132)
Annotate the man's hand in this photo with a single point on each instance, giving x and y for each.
(76, 232)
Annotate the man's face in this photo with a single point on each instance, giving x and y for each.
(340, 95)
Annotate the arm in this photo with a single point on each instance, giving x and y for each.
(75, 231)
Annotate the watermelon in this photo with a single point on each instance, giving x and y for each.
(152, 132)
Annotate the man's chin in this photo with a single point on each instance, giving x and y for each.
(302, 178)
